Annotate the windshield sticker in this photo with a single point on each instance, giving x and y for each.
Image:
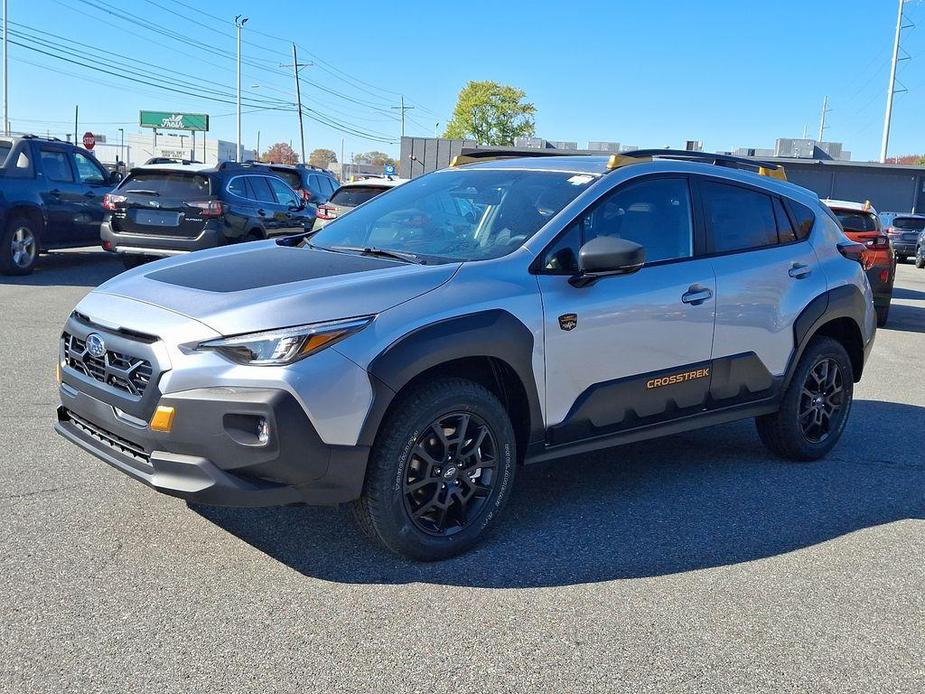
(580, 180)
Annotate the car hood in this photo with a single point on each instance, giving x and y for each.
(266, 285)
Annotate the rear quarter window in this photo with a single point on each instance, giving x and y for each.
(292, 178)
(352, 196)
(168, 184)
(804, 217)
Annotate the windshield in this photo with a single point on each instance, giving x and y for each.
(909, 223)
(457, 214)
(854, 220)
(167, 184)
(291, 177)
(354, 196)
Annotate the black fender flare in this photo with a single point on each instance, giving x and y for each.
(494, 334)
(845, 301)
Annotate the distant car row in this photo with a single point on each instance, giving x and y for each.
(55, 195)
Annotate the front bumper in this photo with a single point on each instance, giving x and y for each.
(212, 235)
(212, 454)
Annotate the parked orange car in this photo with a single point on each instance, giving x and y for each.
(862, 225)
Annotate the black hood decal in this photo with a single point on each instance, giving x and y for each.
(265, 267)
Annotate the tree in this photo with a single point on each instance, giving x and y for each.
(280, 153)
(917, 159)
(322, 157)
(375, 158)
(491, 114)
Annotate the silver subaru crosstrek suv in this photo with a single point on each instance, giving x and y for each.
(409, 357)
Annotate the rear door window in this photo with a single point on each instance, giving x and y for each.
(351, 196)
(284, 194)
(738, 218)
(174, 185)
(260, 189)
(56, 166)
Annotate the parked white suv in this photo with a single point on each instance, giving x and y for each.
(411, 355)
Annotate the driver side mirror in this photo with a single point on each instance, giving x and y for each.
(115, 177)
(605, 256)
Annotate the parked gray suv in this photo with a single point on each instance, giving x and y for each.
(408, 358)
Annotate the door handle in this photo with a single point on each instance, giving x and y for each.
(696, 295)
(798, 271)
(262, 213)
(55, 193)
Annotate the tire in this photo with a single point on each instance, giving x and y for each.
(131, 261)
(415, 468)
(901, 258)
(784, 432)
(883, 313)
(19, 247)
(919, 259)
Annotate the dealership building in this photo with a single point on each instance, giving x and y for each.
(891, 188)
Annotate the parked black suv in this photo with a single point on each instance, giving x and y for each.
(168, 209)
(51, 196)
(315, 185)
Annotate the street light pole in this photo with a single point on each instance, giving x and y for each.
(239, 22)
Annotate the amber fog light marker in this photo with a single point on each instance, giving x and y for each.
(163, 419)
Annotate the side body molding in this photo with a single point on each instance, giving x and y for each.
(495, 334)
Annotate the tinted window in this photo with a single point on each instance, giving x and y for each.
(238, 186)
(178, 185)
(23, 166)
(785, 231)
(5, 147)
(87, 169)
(909, 223)
(351, 196)
(291, 177)
(284, 194)
(56, 166)
(855, 220)
(805, 218)
(655, 214)
(738, 218)
(260, 189)
(331, 184)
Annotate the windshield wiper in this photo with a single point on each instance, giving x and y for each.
(379, 253)
(144, 192)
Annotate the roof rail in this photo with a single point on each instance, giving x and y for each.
(763, 168)
(493, 154)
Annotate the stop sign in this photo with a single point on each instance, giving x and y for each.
(89, 140)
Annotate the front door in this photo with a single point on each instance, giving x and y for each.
(62, 196)
(93, 180)
(635, 349)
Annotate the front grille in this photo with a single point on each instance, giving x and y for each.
(116, 443)
(122, 371)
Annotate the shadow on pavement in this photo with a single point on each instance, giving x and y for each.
(693, 501)
(78, 268)
(908, 318)
(913, 294)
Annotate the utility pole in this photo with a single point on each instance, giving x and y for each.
(342, 162)
(239, 22)
(258, 145)
(76, 111)
(122, 144)
(403, 108)
(6, 76)
(891, 89)
(825, 112)
(296, 66)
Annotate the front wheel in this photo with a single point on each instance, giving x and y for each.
(920, 259)
(815, 406)
(440, 472)
(901, 258)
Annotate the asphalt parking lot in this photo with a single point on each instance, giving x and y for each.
(694, 563)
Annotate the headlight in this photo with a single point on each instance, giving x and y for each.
(286, 345)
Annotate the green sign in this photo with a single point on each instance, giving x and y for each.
(168, 120)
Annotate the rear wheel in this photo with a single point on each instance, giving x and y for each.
(815, 406)
(901, 258)
(19, 247)
(919, 259)
(440, 471)
(883, 313)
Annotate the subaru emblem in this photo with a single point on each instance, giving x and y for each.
(95, 346)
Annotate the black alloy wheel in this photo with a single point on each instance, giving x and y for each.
(449, 473)
(822, 398)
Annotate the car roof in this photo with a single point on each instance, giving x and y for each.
(849, 205)
(190, 168)
(909, 215)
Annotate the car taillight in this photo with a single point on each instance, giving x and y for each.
(878, 242)
(306, 195)
(207, 208)
(891, 231)
(326, 212)
(112, 201)
(852, 251)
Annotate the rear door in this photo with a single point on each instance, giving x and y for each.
(265, 201)
(168, 202)
(766, 274)
(61, 194)
(93, 180)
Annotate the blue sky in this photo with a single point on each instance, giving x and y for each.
(639, 72)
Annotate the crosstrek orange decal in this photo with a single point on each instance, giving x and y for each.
(677, 378)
